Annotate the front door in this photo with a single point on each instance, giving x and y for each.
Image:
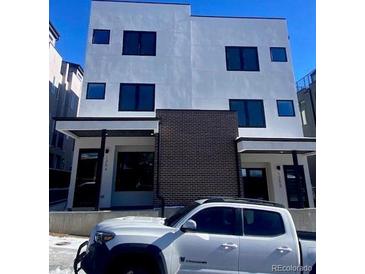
(213, 247)
(254, 183)
(296, 189)
(86, 188)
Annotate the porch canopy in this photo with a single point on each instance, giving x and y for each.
(302, 145)
(76, 127)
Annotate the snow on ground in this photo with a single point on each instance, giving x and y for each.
(62, 252)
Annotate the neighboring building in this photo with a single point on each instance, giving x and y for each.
(306, 88)
(65, 81)
(176, 107)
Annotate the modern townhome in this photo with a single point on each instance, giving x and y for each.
(175, 107)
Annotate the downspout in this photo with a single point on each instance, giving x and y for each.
(158, 195)
(238, 165)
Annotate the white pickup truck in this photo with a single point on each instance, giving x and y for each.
(216, 235)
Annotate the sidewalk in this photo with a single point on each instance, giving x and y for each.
(62, 251)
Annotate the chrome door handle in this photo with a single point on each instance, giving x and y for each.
(227, 246)
(283, 249)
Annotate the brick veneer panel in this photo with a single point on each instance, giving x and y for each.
(197, 155)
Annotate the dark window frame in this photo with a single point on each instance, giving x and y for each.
(262, 236)
(87, 91)
(93, 37)
(241, 48)
(238, 221)
(139, 43)
(246, 111)
(137, 96)
(292, 104)
(272, 57)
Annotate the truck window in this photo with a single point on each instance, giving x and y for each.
(216, 220)
(262, 223)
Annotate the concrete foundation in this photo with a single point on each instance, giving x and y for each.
(81, 222)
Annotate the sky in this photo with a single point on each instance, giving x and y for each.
(71, 19)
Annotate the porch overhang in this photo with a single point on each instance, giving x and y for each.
(77, 127)
(302, 145)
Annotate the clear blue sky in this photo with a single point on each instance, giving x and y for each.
(71, 18)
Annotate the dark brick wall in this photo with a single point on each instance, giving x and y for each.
(197, 155)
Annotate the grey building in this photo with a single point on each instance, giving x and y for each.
(306, 88)
(65, 81)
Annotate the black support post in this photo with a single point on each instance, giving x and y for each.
(100, 167)
(297, 179)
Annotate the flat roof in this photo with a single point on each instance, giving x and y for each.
(144, 2)
(192, 15)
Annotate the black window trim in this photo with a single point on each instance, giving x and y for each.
(241, 59)
(261, 236)
(285, 100)
(92, 39)
(286, 56)
(137, 96)
(246, 112)
(87, 91)
(238, 226)
(139, 43)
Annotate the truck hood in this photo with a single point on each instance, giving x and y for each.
(129, 222)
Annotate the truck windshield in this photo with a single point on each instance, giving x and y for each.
(171, 221)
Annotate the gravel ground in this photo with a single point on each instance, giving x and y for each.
(62, 252)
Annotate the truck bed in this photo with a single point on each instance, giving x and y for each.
(306, 235)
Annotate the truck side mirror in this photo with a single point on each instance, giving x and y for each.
(190, 225)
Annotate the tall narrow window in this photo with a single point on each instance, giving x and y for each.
(242, 59)
(139, 43)
(95, 91)
(137, 97)
(250, 112)
(278, 54)
(101, 36)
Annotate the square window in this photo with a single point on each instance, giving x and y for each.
(285, 108)
(242, 59)
(95, 91)
(101, 36)
(139, 43)
(250, 112)
(137, 97)
(278, 55)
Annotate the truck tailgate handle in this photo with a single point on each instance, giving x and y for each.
(228, 246)
(285, 249)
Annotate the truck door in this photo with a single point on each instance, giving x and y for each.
(213, 247)
(267, 244)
